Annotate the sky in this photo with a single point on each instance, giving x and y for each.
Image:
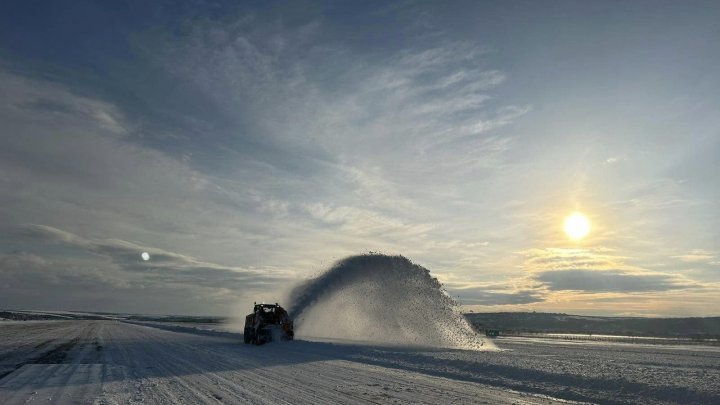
(248, 145)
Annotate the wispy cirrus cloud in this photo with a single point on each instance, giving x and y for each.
(660, 194)
(697, 256)
(432, 103)
(563, 258)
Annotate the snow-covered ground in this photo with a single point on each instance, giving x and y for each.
(108, 362)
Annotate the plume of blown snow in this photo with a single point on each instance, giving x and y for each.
(383, 299)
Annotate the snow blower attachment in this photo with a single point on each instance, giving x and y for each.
(267, 323)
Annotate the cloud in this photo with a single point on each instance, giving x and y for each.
(164, 266)
(360, 145)
(434, 100)
(617, 281)
(482, 296)
(566, 258)
(67, 168)
(697, 256)
(361, 221)
(661, 194)
(614, 159)
(29, 281)
(111, 274)
(66, 164)
(596, 270)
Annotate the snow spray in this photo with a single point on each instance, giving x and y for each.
(382, 299)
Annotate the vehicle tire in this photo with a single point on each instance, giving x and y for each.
(248, 335)
(262, 337)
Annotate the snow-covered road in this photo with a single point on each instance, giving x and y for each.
(107, 362)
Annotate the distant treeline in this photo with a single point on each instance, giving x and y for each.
(531, 322)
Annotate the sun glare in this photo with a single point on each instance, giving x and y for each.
(577, 226)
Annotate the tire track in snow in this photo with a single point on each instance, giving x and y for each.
(114, 362)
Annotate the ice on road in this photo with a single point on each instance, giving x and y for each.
(113, 362)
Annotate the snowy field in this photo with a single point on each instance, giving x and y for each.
(115, 362)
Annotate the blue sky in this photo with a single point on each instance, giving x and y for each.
(248, 145)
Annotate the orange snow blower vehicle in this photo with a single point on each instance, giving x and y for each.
(267, 323)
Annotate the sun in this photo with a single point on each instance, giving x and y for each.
(577, 226)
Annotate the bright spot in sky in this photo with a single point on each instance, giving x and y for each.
(145, 256)
(577, 226)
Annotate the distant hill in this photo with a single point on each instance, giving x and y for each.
(532, 322)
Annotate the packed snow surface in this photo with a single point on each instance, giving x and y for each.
(382, 299)
(116, 362)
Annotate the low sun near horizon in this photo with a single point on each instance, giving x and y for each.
(577, 226)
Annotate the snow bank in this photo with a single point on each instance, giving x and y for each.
(383, 299)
